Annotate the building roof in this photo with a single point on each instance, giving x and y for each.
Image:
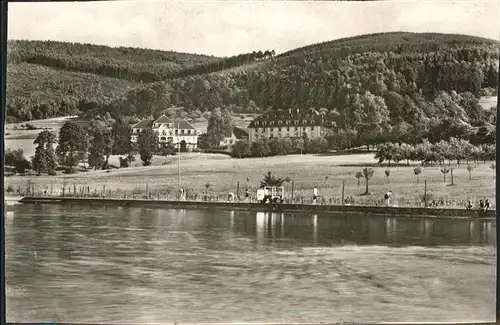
(306, 117)
(183, 124)
(163, 119)
(239, 133)
(143, 124)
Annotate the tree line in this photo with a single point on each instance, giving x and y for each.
(426, 153)
(265, 147)
(92, 144)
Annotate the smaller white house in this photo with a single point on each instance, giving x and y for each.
(236, 135)
(177, 132)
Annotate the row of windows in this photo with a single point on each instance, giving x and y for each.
(169, 125)
(164, 132)
(280, 129)
(169, 139)
(175, 132)
(284, 122)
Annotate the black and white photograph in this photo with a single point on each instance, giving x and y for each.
(194, 162)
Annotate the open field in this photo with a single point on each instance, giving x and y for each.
(307, 171)
(487, 102)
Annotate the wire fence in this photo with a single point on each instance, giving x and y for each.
(171, 193)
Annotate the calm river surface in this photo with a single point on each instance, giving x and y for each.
(133, 265)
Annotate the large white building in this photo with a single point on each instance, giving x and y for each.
(289, 123)
(178, 132)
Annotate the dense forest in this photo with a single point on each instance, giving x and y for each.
(47, 79)
(375, 87)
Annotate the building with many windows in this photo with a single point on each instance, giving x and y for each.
(176, 132)
(289, 123)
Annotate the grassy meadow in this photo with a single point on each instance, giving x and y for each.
(326, 172)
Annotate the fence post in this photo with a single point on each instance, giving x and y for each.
(343, 187)
(292, 193)
(238, 190)
(425, 193)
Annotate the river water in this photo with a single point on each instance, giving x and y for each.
(133, 265)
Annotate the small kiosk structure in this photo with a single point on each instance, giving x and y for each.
(271, 194)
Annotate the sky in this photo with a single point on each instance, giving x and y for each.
(225, 28)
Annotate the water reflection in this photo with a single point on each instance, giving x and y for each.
(100, 264)
(330, 230)
(265, 227)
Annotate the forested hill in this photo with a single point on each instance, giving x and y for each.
(393, 42)
(374, 86)
(393, 79)
(132, 64)
(48, 78)
(391, 67)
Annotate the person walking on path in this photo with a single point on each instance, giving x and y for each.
(487, 205)
(481, 205)
(387, 198)
(315, 195)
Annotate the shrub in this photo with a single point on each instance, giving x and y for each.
(11, 156)
(22, 165)
(124, 162)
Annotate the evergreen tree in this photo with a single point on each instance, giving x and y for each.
(121, 135)
(148, 144)
(45, 158)
(72, 145)
(220, 125)
(96, 149)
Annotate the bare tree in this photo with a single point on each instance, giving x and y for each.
(417, 171)
(359, 176)
(207, 186)
(367, 174)
(470, 168)
(445, 171)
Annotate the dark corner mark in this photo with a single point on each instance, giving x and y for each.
(497, 202)
(3, 39)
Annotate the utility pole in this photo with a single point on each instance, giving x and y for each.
(179, 159)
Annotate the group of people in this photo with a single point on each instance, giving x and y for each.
(483, 205)
(231, 197)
